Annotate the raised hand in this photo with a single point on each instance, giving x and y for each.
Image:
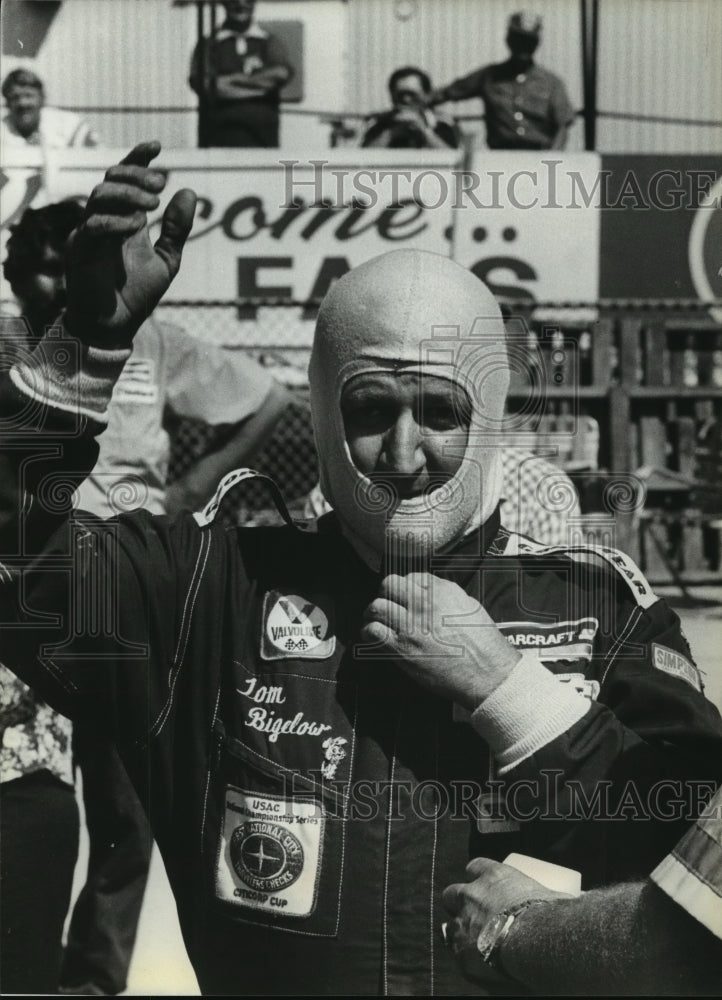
(441, 637)
(115, 275)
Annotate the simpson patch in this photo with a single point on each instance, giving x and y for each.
(672, 662)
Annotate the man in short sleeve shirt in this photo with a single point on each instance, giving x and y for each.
(525, 106)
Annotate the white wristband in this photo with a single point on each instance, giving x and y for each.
(528, 710)
(69, 375)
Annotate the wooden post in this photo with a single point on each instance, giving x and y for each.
(602, 345)
(620, 460)
(630, 350)
(656, 369)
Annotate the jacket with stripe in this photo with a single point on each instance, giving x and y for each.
(310, 801)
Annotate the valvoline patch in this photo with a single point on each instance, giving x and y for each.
(295, 626)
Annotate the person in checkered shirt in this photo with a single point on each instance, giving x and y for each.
(537, 498)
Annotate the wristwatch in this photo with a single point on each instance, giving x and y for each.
(496, 931)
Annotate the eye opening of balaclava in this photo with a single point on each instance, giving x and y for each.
(418, 312)
(372, 405)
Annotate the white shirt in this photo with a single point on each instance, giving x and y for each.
(58, 129)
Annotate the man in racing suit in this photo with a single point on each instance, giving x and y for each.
(327, 723)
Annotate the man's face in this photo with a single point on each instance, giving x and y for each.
(408, 92)
(240, 12)
(405, 429)
(24, 104)
(522, 44)
(41, 289)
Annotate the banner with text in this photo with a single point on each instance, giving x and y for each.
(535, 227)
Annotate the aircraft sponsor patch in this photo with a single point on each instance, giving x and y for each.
(572, 640)
(295, 627)
(269, 854)
(672, 662)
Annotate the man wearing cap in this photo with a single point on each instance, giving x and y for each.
(525, 106)
(328, 722)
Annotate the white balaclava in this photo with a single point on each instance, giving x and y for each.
(418, 312)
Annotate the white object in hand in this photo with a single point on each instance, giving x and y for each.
(554, 877)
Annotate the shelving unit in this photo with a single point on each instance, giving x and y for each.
(653, 382)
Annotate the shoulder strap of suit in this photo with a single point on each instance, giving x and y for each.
(629, 571)
(207, 516)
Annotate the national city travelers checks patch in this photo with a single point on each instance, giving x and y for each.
(269, 853)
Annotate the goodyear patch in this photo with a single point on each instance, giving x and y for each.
(269, 854)
(295, 627)
(672, 662)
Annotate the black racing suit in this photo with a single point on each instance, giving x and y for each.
(310, 801)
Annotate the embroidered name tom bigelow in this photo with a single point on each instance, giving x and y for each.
(265, 720)
(269, 853)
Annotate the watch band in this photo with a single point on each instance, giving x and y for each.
(493, 935)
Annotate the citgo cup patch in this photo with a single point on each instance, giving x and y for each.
(672, 662)
(295, 627)
(269, 855)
